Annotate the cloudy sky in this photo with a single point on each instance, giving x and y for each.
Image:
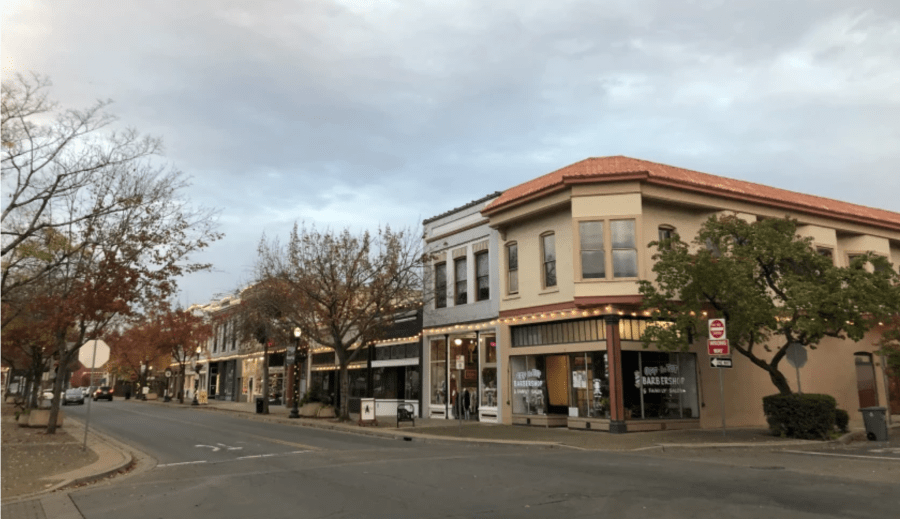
(345, 114)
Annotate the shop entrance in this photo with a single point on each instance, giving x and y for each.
(557, 384)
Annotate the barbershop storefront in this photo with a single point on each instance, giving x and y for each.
(462, 376)
(560, 377)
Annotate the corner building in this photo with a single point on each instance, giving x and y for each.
(572, 246)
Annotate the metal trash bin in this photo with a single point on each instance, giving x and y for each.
(875, 419)
(259, 405)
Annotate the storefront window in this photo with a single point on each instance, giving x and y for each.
(489, 379)
(438, 372)
(413, 383)
(357, 383)
(490, 349)
(529, 384)
(590, 384)
(660, 385)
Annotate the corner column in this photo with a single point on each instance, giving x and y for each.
(617, 423)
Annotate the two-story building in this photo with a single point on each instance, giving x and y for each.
(572, 249)
(461, 308)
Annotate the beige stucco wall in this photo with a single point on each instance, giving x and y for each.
(528, 237)
(895, 255)
(865, 243)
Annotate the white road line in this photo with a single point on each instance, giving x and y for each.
(233, 459)
(844, 455)
(182, 463)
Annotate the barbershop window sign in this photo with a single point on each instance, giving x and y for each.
(660, 379)
(528, 379)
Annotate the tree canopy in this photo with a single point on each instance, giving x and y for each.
(342, 289)
(94, 225)
(772, 287)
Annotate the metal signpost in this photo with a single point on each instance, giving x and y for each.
(82, 357)
(718, 345)
(796, 356)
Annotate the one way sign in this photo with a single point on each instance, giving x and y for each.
(720, 362)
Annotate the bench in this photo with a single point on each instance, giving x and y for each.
(406, 413)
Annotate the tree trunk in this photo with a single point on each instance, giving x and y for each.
(345, 393)
(61, 375)
(779, 380)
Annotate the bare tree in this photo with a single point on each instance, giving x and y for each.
(341, 289)
(92, 226)
(58, 170)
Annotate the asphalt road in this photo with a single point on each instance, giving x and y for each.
(223, 466)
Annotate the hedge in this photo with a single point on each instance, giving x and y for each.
(806, 416)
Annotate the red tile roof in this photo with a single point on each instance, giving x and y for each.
(609, 169)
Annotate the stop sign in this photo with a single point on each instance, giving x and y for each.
(717, 328)
(86, 354)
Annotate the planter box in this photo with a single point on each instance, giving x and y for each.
(152, 396)
(40, 418)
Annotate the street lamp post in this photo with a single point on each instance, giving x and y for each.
(295, 412)
(196, 369)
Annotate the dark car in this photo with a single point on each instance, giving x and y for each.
(73, 396)
(104, 393)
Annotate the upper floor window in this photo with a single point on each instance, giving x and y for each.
(548, 249)
(482, 277)
(440, 285)
(216, 340)
(624, 248)
(599, 247)
(593, 264)
(666, 232)
(512, 268)
(460, 269)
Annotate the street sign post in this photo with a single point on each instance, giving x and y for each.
(796, 357)
(718, 347)
(721, 362)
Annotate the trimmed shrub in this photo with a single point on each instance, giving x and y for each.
(841, 419)
(807, 417)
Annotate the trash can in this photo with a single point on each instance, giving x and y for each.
(259, 405)
(875, 419)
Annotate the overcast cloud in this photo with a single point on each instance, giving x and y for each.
(340, 113)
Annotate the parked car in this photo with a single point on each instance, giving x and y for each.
(103, 393)
(88, 391)
(73, 396)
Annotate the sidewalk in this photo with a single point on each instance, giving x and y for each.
(35, 465)
(449, 430)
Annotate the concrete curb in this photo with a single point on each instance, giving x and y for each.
(425, 437)
(102, 445)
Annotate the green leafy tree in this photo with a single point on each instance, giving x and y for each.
(772, 287)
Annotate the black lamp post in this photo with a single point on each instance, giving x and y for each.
(196, 368)
(295, 412)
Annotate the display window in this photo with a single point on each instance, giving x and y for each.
(659, 385)
(590, 384)
(438, 372)
(529, 384)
